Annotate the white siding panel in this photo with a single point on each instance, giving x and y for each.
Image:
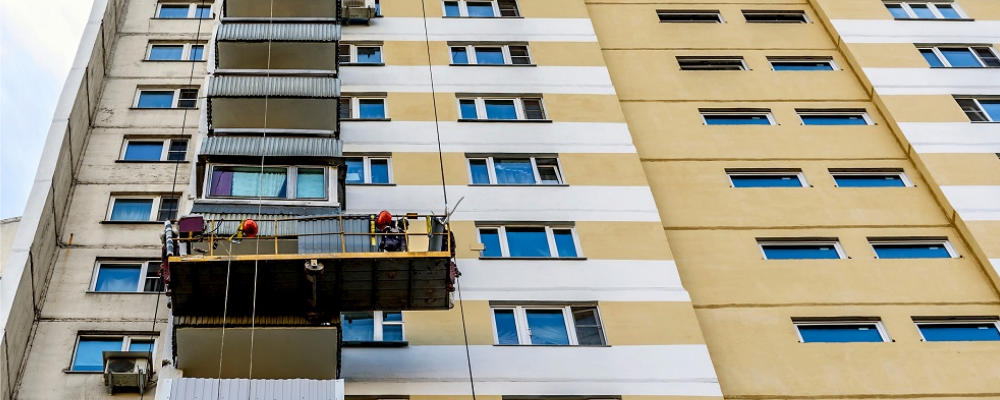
(477, 79)
(926, 81)
(975, 203)
(891, 31)
(952, 137)
(475, 29)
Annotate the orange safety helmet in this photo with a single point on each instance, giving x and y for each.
(249, 228)
(383, 220)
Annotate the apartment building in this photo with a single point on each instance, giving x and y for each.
(820, 174)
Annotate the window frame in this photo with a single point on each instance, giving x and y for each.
(154, 209)
(378, 324)
(291, 176)
(353, 53)
(803, 60)
(549, 236)
(952, 253)
(192, 10)
(901, 174)
(723, 112)
(185, 54)
(356, 109)
(367, 178)
(463, 9)
(833, 112)
(127, 340)
(980, 109)
(971, 48)
(932, 6)
(803, 242)
(879, 326)
(682, 59)
(166, 144)
(471, 54)
(518, 108)
(718, 15)
(174, 102)
(918, 322)
(805, 16)
(147, 265)
(734, 172)
(523, 330)
(491, 170)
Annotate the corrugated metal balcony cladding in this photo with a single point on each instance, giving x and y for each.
(274, 86)
(287, 32)
(262, 389)
(272, 146)
(236, 321)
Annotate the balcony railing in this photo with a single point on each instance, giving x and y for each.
(288, 46)
(294, 104)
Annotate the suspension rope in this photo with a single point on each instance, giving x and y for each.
(225, 313)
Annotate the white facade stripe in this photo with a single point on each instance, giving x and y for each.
(475, 29)
(930, 81)
(952, 137)
(477, 79)
(975, 203)
(931, 32)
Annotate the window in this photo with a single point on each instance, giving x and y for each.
(481, 8)
(511, 170)
(841, 331)
(363, 108)
(548, 325)
(361, 54)
(480, 108)
(800, 249)
(127, 276)
(849, 178)
(766, 178)
(154, 150)
(912, 248)
(184, 10)
(833, 117)
(960, 57)
(528, 241)
(981, 109)
(924, 10)
(802, 63)
(377, 326)
(166, 98)
(497, 54)
(89, 354)
(775, 17)
(690, 16)
(376, 170)
(736, 117)
(711, 63)
(138, 208)
(291, 183)
(958, 329)
(176, 52)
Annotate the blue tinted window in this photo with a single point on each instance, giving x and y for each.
(506, 327)
(897, 11)
(140, 345)
(143, 151)
(931, 57)
(90, 353)
(801, 252)
(762, 181)
(156, 99)
(197, 52)
(372, 55)
(468, 109)
(959, 332)
(479, 171)
(869, 181)
(564, 243)
(547, 327)
(380, 170)
(491, 241)
(840, 333)
(513, 172)
(489, 55)
(736, 119)
(173, 11)
(500, 109)
(922, 11)
(935, 250)
(459, 55)
(480, 9)
(992, 108)
(528, 242)
(960, 57)
(802, 66)
(371, 108)
(118, 278)
(358, 326)
(163, 52)
(451, 9)
(203, 12)
(948, 11)
(132, 210)
(833, 120)
(392, 333)
(355, 170)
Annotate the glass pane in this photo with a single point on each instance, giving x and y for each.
(143, 151)
(132, 210)
(931, 57)
(508, 8)
(480, 8)
(163, 52)
(89, 353)
(480, 174)
(153, 282)
(345, 107)
(392, 333)
(948, 11)
(519, 55)
(528, 242)
(197, 52)
(358, 327)
(565, 245)
(245, 181)
(961, 57)
(459, 56)
(355, 170)
(765, 181)
(897, 11)
(839, 333)
(506, 327)
(548, 173)
(802, 66)
(156, 99)
(168, 210)
(344, 53)
(833, 120)
(987, 56)
(371, 108)
(310, 184)
(533, 109)
(959, 332)
(140, 345)
(118, 278)
(588, 328)
(203, 12)
(490, 238)
(370, 55)
(992, 108)
(489, 55)
(173, 11)
(517, 171)
(715, 119)
(500, 109)
(911, 251)
(178, 150)
(392, 316)
(801, 252)
(922, 11)
(869, 181)
(547, 327)
(380, 171)
(451, 9)
(468, 109)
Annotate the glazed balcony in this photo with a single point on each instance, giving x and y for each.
(256, 102)
(286, 46)
(264, 9)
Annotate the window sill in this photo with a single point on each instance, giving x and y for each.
(936, 19)
(475, 17)
(370, 184)
(985, 122)
(150, 162)
(132, 222)
(67, 371)
(979, 67)
(551, 345)
(492, 65)
(97, 292)
(357, 64)
(518, 185)
(365, 119)
(358, 343)
(182, 19)
(536, 258)
(174, 61)
(162, 108)
(505, 120)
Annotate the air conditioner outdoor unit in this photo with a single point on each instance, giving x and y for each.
(126, 371)
(358, 9)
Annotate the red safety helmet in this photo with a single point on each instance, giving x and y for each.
(383, 220)
(249, 228)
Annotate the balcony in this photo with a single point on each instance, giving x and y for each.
(292, 104)
(257, 389)
(264, 9)
(291, 46)
(278, 149)
(314, 266)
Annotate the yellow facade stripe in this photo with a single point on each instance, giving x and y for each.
(543, 54)
(585, 169)
(600, 240)
(962, 169)
(886, 55)
(987, 231)
(419, 106)
(852, 9)
(981, 10)
(527, 8)
(922, 108)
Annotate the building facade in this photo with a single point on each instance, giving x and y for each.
(822, 176)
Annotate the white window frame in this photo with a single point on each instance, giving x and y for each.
(518, 108)
(126, 343)
(164, 150)
(534, 168)
(798, 174)
(463, 8)
(378, 335)
(186, 53)
(291, 176)
(367, 171)
(147, 265)
(154, 211)
(354, 53)
(173, 104)
(916, 241)
(902, 176)
(838, 113)
(356, 109)
(803, 60)
(805, 16)
(716, 13)
(789, 243)
(192, 9)
(962, 321)
(932, 6)
(944, 60)
(982, 110)
(878, 325)
(767, 113)
(549, 235)
(524, 332)
(471, 53)
(680, 59)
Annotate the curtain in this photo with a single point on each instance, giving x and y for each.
(123, 278)
(547, 327)
(310, 184)
(132, 210)
(512, 172)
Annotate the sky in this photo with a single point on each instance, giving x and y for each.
(38, 41)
